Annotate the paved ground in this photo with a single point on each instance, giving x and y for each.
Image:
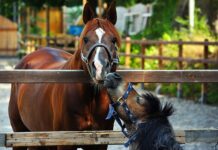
(188, 115)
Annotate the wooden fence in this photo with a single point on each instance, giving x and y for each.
(94, 138)
(180, 59)
(101, 137)
(142, 76)
(64, 42)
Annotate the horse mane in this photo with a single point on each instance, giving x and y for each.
(156, 109)
(102, 23)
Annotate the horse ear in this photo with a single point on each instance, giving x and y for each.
(88, 13)
(111, 14)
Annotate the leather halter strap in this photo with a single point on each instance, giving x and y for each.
(113, 61)
(131, 116)
(122, 102)
(92, 49)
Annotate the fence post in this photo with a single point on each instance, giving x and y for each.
(160, 66)
(55, 41)
(47, 25)
(204, 86)
(127, 52)
(65, 42)
(40, 41)
(143, 53)
(180, 66)
(76, 42)
(160, 60)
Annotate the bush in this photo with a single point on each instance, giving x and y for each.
(161, 27)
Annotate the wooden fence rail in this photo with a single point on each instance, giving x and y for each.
(143, 76)
(18, 139)
(55, 138)
(144, 44)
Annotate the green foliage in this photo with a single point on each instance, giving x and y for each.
(162, 19)
(201, 28)
(212, 94)
(161, 26)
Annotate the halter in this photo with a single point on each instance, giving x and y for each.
(122, 102)
(113, 61)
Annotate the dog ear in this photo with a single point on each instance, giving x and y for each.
(88, 13)
(111, 14)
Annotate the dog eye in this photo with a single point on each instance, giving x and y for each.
(85, 39)
(140, 100)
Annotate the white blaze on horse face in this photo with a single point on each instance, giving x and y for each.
(98, 65)
(99, 32)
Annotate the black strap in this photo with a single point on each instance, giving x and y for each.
(113, 61)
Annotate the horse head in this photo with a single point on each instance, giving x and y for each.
(99, 42)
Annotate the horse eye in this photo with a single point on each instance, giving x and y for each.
(114, 40)
(85, 39)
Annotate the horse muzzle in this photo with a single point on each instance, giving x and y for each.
(100, 69)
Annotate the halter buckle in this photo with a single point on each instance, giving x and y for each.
(120, 100)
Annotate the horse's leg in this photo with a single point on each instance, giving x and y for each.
(14, 115)
(67, 148)
(94, 147)
(42, 148)
(19, 148)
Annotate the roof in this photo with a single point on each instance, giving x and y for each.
(6, 23)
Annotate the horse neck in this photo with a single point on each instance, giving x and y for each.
(74, 62)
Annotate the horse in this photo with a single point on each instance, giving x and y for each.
(69, 106)
(144, 117)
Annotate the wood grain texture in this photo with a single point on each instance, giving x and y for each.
(75, 76)
(96, 137)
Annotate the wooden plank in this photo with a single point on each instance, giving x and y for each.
(2, 140)
(41, 76)
(188, 60)
(169, 76)
(64, 138)
(78, 76)
(206, 136)
(154, 42)
(97, 137)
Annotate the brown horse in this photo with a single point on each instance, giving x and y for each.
(143, 115)
(70, 106)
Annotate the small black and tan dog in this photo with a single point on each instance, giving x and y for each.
(146, 118)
